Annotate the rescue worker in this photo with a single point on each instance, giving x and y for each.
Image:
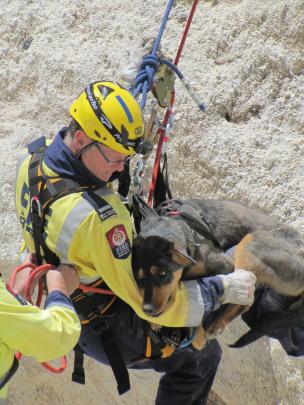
(45, 334)
(70, 215)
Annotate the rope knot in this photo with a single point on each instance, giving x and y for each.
(145, 76)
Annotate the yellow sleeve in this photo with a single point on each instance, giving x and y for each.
(102, 248)
(44, 334)
(109, 254)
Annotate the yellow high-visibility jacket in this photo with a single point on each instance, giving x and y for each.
(44, 334)
(101, 248)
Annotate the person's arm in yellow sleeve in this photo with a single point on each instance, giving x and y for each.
(44, 334)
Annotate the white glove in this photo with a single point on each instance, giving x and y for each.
(239, 287)
(145, 46)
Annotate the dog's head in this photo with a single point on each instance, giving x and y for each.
(157, 269)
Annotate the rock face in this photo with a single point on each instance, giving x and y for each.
(245, 60)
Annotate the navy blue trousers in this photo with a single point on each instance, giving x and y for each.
(188, 373)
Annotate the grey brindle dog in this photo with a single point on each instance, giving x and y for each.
(188, 239)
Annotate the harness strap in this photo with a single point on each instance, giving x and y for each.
(92, 309)
(105, 210)
(162, 341)
(78, 375)
(114, 356)
(57, 188)
(36, 182)
(201, 227)
(10, 373)
(43, 192)
(90, 306)
(162, 190)
(172, 208)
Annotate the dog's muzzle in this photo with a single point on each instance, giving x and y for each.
(149, 309)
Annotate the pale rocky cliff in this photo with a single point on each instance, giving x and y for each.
(245, 59)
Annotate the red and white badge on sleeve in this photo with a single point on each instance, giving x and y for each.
(119, 242)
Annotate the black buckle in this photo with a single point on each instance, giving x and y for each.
(36, 209)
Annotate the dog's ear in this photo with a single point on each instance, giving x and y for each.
(181, 259)
(137, 242)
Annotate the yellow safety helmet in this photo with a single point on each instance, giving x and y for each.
(109, 114)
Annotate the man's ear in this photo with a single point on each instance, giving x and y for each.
(80, 139)
(181, 259)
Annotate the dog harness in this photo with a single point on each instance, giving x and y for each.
(173, 208)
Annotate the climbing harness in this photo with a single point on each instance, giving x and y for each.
(92, 303)
(91, 308)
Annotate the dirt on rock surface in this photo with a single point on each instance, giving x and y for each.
(245, 60)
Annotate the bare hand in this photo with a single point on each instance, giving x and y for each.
(64, 278)
(22, 276)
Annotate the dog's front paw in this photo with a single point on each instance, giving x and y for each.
(215, 329)
(199, 340)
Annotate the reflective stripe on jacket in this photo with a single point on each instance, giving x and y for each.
(101, 248)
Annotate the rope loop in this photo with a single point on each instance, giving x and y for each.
(145, 77)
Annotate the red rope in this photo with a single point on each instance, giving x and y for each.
(186, 30)
(12, 279)
(56, 370)
(87, 288)
(36, 276)
(161, 131)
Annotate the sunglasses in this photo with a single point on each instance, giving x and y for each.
(109, 161)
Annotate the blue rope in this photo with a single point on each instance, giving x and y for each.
(162, 27)
(145, 76)
(185, 83)
(150, 65)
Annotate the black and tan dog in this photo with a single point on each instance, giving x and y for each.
(186, 240)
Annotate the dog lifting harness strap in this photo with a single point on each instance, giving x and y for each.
(171, 208)
(90, 307)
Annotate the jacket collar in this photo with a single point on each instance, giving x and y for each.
(61, 160)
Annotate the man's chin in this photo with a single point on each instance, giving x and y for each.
(105, 177)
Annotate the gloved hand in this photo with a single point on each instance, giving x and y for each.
(141, 49)
(239, 287)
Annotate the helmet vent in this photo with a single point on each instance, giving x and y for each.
(105, 91)
(97, 134)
